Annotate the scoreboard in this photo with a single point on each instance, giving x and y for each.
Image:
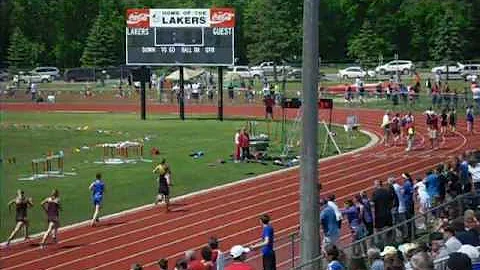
(180, 37)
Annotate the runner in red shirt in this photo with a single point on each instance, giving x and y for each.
(239, 255)
(269, 102)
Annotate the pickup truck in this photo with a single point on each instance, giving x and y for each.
(267, 68)
(245, 72)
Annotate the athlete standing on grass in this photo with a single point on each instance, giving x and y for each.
(51, 205)
(21, 203)
(163, 171)
(98, 188)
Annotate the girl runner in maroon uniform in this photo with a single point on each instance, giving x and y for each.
(21, 203)
(51, 205)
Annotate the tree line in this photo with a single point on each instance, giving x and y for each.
(70, 33)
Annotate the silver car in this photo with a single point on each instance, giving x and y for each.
(53, 72)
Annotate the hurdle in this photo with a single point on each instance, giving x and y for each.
(123, 152)
(48, 166)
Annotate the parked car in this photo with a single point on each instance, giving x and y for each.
(469, 71)
(451, 69)
(402, 66)
(267, 68)
(29, 77)
(79, 75)
(354, 72)
(245, 72)
(296, 74)
(51, 71)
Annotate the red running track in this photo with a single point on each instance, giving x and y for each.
(230, 213)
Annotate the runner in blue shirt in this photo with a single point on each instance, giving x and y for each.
(98, 188)
(268, 254)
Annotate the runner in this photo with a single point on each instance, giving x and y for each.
(395, 127)
(443, 122)
(21, 203)
(452, 120)
(51, 205)
(433, 129)
(98, 188)
(386, 127)
(163, 184)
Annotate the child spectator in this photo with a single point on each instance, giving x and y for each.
(163, 264)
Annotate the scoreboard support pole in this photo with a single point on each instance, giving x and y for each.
(181, 96)
(143, 81)
(220, 93)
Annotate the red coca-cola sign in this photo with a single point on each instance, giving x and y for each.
(138, 18)
(222, 17)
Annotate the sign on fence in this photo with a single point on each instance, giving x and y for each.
(180, 37)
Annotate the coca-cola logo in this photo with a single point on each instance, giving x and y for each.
(224, 17)
(138, 18)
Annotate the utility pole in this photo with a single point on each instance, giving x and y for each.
(309, 212)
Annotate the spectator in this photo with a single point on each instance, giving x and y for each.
(238, 254)
(466, 237)
(474, 170)
(470, 118)
(238, 149)
(193, 263)
(207, 258)
(163, 264)
(367, 211)
(268, 254)
(421, 261)
(438, 249)
(181, 264)
(464, 174)
(408, 191)
(431, 182)
(424, 201)
(374, 259)
(452, 244)
(408, 250)
(442, 182)
(353, 214)
(333, 205)
(401, 209)
(382, 205)
(329, 224)
(217, 254)
(459, 261)
(333, 254)
(244, 140)
(136, 266)
(470, 251)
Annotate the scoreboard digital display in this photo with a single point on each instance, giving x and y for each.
(180, 37)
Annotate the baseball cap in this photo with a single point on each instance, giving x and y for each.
(238, 250)
(389, 250)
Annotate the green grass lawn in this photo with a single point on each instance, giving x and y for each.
(25, 136)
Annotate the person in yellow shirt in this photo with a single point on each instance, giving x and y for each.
(163, 171)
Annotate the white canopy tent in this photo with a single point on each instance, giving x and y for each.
(188, 74)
